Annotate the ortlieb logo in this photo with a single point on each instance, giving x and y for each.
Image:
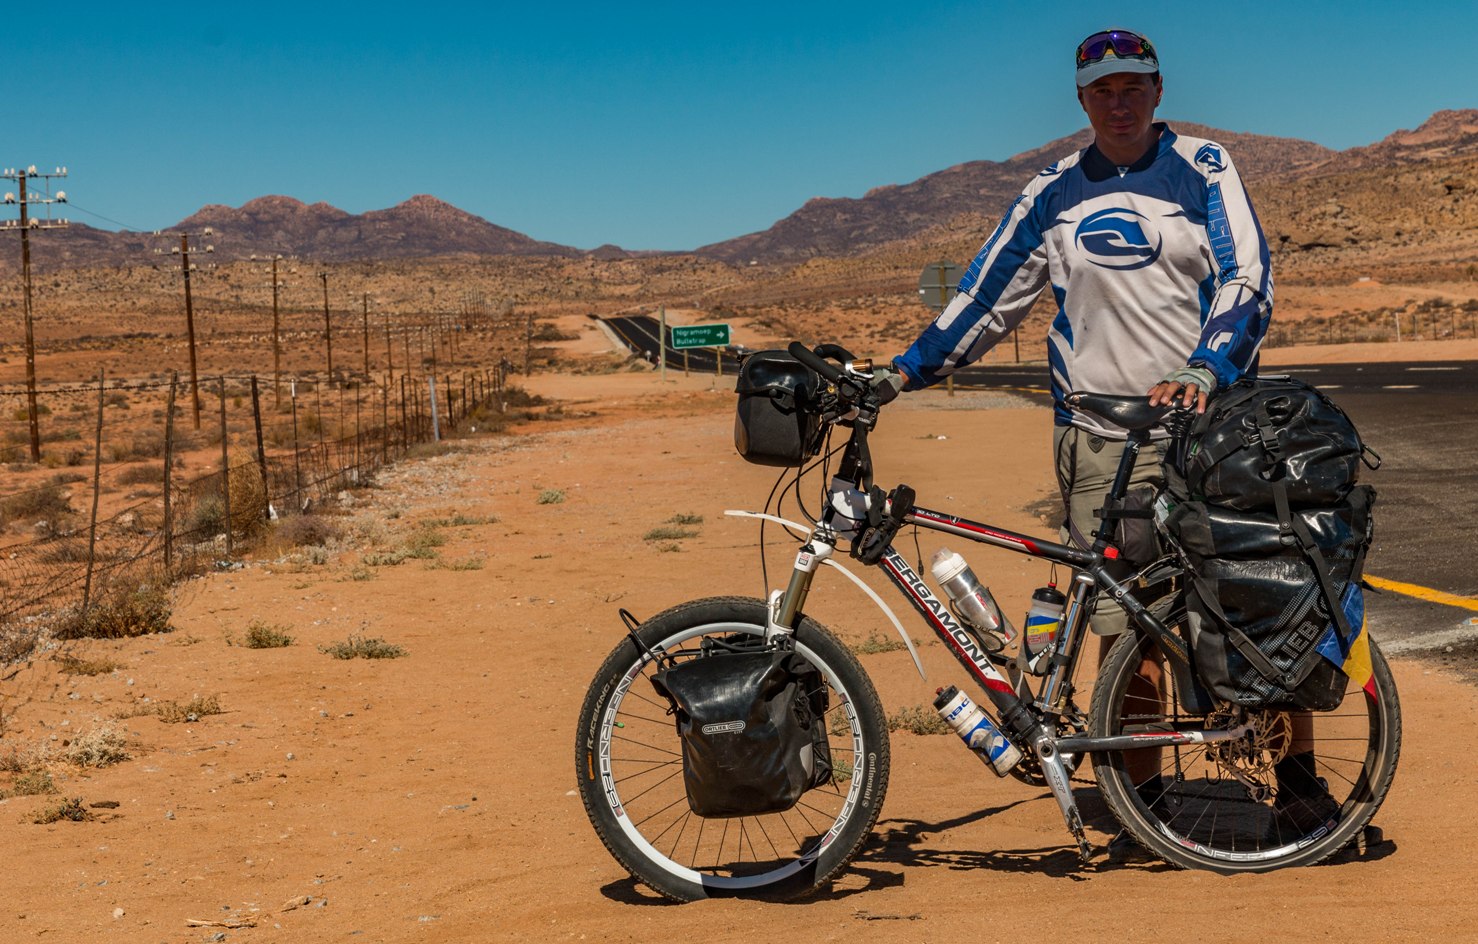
(725, 727)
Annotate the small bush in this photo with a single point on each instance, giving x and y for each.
(358, 647)
(101, 746)
(173, 712)
(261, 635)
(460, 520)
(121, 611)
(119, 399)
(71, 810)
(386, 558)
(841, 771)
(35, 504)
(361, 572)
(301, 530)
(423, 543)
(142, 474)
(206, 516)
(551, 496)
(916, 719)
(75, 665)
(666, 533)
(466, 563)
(685, 519)
(35, 782)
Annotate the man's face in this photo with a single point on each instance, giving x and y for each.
(1121, 108)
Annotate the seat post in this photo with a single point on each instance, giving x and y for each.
(1136, 439)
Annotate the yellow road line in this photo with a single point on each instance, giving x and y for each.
(1423, 593)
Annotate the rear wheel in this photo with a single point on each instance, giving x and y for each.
(629, 765)
(1224, 806)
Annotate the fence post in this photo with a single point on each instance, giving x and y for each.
(225, 468)
(97, 472)
(256, 413)
(431, 397)
(297, 448)
(174, 379)
(358, 459)
(404, 442)
(385, 423)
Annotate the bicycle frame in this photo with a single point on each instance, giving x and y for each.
(1032, 723)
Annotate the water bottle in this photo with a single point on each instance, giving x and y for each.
(975, 728)
(1043, 620)
(972, 600)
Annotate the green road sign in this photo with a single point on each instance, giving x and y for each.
(937, 283)
(709, 335)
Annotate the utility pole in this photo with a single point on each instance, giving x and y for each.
(277, 285)
(26, 224)
(183, 250)
(328, 331)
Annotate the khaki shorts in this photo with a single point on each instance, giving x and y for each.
(1086, 465)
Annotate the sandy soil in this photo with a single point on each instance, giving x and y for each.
(431, 798)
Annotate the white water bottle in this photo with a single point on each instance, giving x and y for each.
(975, 728)
(972, 600)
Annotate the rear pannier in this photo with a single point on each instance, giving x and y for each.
(778, 422)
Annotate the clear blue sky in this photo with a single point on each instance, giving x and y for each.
(657, 125)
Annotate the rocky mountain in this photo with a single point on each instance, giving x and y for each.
(840, 226)
(419, 227)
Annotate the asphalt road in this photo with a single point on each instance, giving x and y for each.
(1421, 418)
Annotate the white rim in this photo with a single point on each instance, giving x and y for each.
(722, 882)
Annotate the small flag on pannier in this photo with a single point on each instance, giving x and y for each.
(1352, 657)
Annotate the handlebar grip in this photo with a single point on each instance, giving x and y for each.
(834, 351)
(804, 354)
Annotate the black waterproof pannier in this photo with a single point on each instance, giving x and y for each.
(752, 725)
(1261, 497)
(778, 422)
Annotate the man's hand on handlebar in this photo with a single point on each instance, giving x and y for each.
(886, 382)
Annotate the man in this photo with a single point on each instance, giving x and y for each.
(1161, 276)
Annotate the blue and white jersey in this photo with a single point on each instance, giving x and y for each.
(1154, 266)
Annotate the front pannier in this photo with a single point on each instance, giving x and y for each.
(778, 422)
(752, 726)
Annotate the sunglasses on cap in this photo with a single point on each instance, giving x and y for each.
(1123, 44)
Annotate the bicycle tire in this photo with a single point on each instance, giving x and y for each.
(1200, 815)
(628, 763)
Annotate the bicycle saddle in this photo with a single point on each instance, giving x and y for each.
(1133, 413)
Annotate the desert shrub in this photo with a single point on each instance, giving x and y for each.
(358, 647)
(173, 712)
(34, 782)
(423, 542)
(117, 398)
(551, 496)
(666, 533)
(681, 519)
(875, 644)
(144, 474)
(35, 504)
(100, 746)
(22, 414)
(248, 499)
(71, 550)
(466, 563)
(76, 665)
(303, 530)
(263, 635)
(386, 558)
(916, 719)
(147, 443)
(69, 809)
(127, 607)
(460, 520)
(206, 516)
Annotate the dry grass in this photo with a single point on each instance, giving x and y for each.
(358, 647)
(77, 665)
(70, 809)
(917, 719)
(100, 746)
(263, 635)
(128, 607)
(668, 533)
(34, 782)
(173, 712)
(551, 496)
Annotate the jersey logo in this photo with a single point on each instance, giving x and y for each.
(1050, 169)
(1209, 157)
(1118, 239)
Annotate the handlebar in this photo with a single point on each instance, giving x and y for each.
(814, 360)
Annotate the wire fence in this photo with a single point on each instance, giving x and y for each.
(139, 484)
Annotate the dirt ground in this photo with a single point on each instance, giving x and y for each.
(432, 797)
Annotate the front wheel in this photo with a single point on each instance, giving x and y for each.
(629, 766)
(1296, 790)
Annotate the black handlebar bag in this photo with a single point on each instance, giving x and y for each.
(778, 422)
(753, 731)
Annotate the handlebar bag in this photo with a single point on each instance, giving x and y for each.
(752, 726)
(778, 422)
